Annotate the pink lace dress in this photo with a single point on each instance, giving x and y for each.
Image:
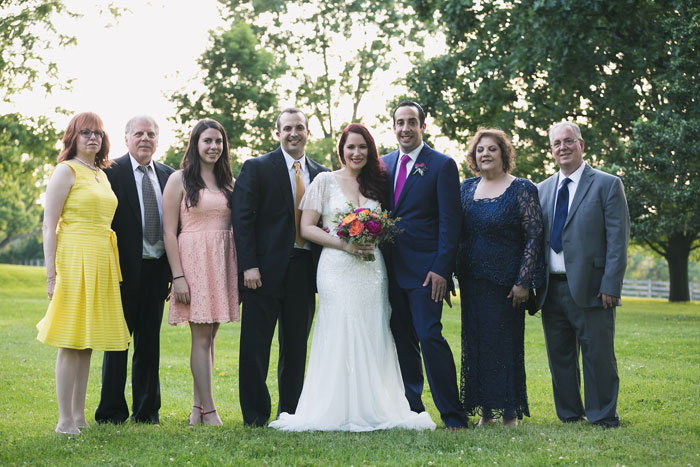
(208, 258)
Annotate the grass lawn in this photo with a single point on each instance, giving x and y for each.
(658, 353)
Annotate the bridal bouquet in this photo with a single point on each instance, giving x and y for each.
(366, 227)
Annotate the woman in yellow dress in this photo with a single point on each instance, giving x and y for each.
(82, 266)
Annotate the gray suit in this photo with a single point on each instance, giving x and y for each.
(595, 240)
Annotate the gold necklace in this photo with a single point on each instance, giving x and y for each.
(95, 169)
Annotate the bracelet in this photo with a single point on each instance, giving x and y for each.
(178, 277)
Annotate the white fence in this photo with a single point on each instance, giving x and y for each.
(31, 262)
(654, 289)
(630, 288)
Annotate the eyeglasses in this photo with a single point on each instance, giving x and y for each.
(568, 142)
(88, 134)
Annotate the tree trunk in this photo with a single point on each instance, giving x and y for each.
(677, 253)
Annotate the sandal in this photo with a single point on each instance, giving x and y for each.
(189, 421)
(211, 412)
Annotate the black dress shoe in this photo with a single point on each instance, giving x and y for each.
(607, 423)
(106, 421)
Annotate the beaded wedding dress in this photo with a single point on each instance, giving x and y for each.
(353, 381)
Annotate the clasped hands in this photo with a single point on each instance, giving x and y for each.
(357, 249)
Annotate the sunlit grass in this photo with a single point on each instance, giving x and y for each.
(658, 348)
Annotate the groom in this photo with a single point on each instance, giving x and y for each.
(423, 187)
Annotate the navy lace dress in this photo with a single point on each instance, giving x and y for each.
(500, 246)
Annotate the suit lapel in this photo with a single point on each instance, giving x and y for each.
(313, 168)
(550, 197)
(132, 195)
(390, 174)
(162, 176)
(279, 169)
(584, 185)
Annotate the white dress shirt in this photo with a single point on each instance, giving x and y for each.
(556, 260)
(157, 250)
(409, 166)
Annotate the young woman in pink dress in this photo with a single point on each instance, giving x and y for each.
(202, 257)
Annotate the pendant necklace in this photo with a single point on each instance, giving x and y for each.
(95, 169)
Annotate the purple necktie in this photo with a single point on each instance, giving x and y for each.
(401, 179)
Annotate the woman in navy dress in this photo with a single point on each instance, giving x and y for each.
(499, 260)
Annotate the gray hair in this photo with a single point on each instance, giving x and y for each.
(133, 120)
(291, 110)
(571, 125)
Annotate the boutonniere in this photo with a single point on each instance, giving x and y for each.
(419, 169)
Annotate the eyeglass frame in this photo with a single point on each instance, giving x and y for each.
(568, 142)
(89, 133)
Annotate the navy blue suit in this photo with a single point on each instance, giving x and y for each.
(430, 213)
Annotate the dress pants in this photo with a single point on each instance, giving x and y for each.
(293, 307)
(568, 331)
(415, 324)
(143, 312)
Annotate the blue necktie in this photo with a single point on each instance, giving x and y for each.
(560, 212)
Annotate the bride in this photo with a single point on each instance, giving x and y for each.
(353, 381)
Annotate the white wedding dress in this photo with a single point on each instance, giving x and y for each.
(353, 381)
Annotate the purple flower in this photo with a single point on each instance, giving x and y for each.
(374, 228)
(342, 233)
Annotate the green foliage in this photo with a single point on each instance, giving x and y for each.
(523, 65)
(27, 148)
(663, 167)
(644, 264)
(334, 49)
(27, 32)
(324, 151)
(657, 347)
(238, 89)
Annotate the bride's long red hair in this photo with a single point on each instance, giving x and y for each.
(372, 178)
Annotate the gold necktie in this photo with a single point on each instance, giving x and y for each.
(298, 194)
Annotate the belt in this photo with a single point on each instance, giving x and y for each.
(557, 277)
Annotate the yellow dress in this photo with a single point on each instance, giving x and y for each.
(86, 309)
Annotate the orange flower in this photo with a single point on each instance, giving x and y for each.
(356, 227)
(364, 211)
(349, 218)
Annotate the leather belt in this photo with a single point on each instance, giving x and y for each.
(558, 277)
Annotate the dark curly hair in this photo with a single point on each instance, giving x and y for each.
(372, 178)
(507, 151)
(191, 169)
(84, 121)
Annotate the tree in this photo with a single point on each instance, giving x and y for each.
(663, 167)
(335, 50)
(238, 90)
(522, 65)
(27, 148)
(27, 31)
(26, 145)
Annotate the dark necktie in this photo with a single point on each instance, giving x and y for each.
(152, 232)
(401, 178)
(561, 210)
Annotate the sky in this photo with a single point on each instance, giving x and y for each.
(127, 67)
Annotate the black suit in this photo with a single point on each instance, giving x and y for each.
(263, 226)
(143, 292)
